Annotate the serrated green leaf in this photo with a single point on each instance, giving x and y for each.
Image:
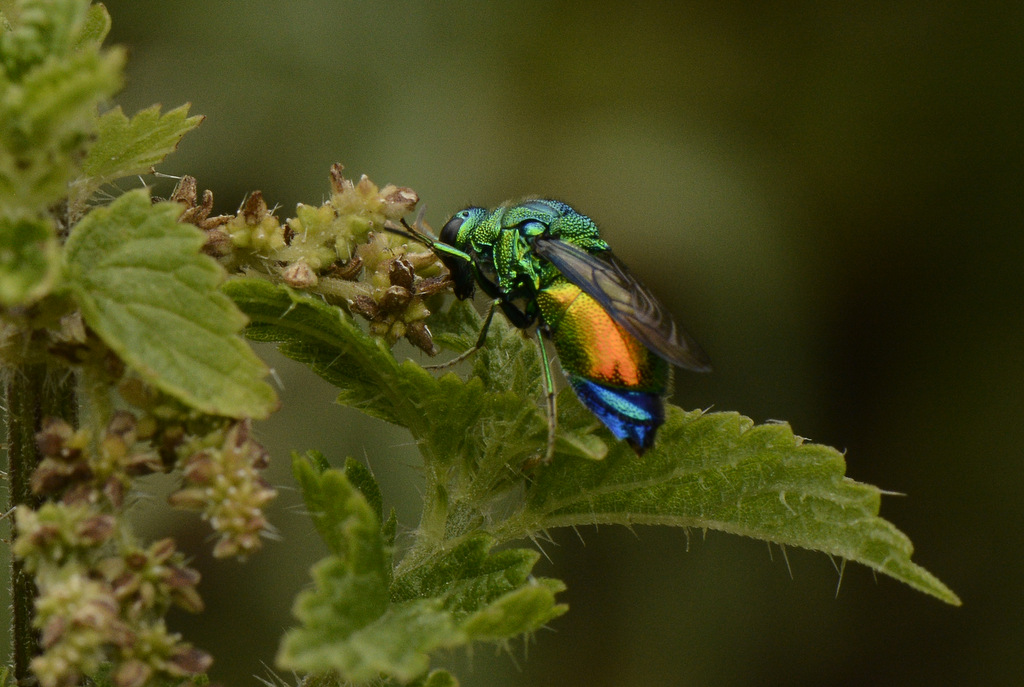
(327, 340)
(341, 513)
(348, 622)
(52, 76)
(29, 259)
(720, 471)
(524, 610)
(94, 28)
(316, 460)
(354, 624)
(144, 287)
(126, 147)
(490, 595)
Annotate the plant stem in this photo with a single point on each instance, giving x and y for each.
(32, 392)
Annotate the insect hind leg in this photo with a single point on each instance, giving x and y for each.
(549, 392)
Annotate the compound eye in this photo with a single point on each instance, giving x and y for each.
(450, 231)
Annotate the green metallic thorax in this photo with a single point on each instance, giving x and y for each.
(500, 245)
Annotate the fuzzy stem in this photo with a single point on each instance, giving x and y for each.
(32, 392)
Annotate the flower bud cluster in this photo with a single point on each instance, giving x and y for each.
(101, 596)
(102, 600)
(71, 465)
(220, 463)
(339, 250)
(223, 481)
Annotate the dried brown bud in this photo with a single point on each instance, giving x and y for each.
(113, 489)
(419, 336)
(433, 285)
(52, 439)
(188, 660)
(365, 306)
(218, 242)
(186, 191)
(299, 275)
(188, 598)
(142, 463)
(260, 458)
(338, 181)
(162, 549)
(238, 435)
(96, 529)
(135, 560)
(180, 577)
(122, 424)
(226, 548)
(120, 634)
(254, 210)
(99, 612)
(398, 200)
(44, 535)
(199, 467)
(80, 494)
(395, 299)
(125, 585)
(52, 475)
(401, 273)
(347, 270)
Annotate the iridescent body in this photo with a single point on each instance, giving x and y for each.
(612, 373)
(542, 262)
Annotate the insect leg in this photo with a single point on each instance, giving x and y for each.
(476, 347)
(549, 391)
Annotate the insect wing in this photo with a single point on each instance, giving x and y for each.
(605, 279)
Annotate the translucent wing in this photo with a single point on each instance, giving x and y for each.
(605, 279)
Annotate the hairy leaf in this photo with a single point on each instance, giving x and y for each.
(147, 291)
(355, 623)
(721, 471)
(492, 595)
(94, 28)
(126, 147)
(348, 622)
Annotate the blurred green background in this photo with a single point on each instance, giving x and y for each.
(828, 195)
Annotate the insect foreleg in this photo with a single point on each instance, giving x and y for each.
(476, 347)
